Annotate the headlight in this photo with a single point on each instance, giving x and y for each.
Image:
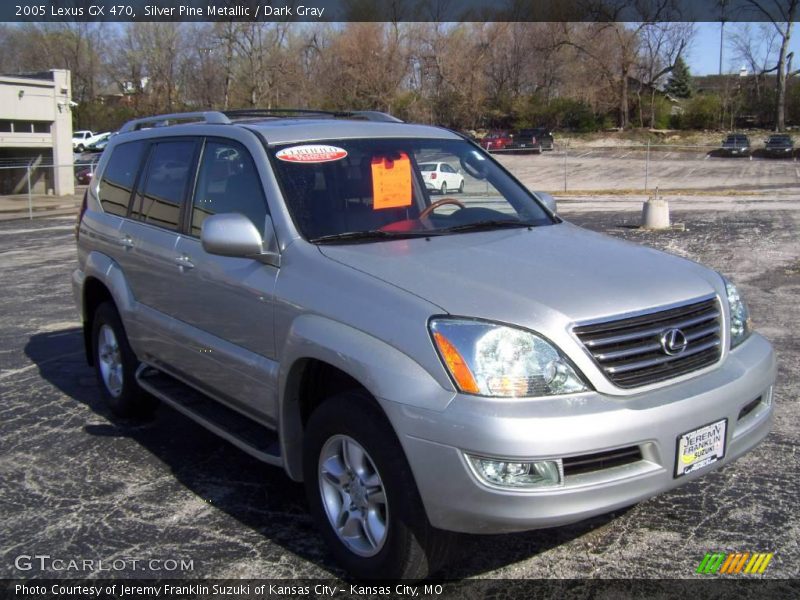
(489, 359)
(740, 316)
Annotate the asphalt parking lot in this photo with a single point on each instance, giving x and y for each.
(78, 483)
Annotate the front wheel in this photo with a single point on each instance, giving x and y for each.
(362, 495)
(461, 187)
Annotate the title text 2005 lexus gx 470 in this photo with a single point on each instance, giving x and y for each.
(426, 363)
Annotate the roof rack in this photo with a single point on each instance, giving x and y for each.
(225, 117)
(210, 116)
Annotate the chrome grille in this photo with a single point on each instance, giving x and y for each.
(630, 351)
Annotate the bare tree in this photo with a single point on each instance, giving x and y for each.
(781, 14)
(755, 50)
(661, 46)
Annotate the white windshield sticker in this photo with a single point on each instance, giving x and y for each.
(311, 153)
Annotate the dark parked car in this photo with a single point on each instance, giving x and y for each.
(84, 176)
(534, 140)
(736, 144)
(779, 145)
(496, 140)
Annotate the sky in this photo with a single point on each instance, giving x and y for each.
(703, 57)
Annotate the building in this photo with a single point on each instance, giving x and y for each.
(36, 130)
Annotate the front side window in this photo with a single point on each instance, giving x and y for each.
(118, 179)
(166, 184)
(227, 183)
(373, 189)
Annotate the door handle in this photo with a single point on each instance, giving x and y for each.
(126, 242)
(184, 262)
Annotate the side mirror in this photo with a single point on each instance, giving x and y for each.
(548, 200)
(233, 234)
(475, 165)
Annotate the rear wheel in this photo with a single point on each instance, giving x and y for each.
(461, 187)
(362, 495)
(443, 189)
(115, 366)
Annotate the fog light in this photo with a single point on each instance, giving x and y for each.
(766, 399)
(536, 474)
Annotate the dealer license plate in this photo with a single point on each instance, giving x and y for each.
(701, 447)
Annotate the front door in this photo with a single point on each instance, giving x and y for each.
(226, 302)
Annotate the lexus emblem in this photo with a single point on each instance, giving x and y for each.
(673, 342)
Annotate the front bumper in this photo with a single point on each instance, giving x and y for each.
(435, 443)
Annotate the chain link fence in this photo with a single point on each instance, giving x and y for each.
(569, 168)
(644, 167)
(38, 183)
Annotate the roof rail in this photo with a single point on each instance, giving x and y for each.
(211, 117)
(223, 118)
(368, 115)
(375, 115)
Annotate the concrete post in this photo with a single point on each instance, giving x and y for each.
(655, 213)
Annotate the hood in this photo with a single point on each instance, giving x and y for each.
(525, 276)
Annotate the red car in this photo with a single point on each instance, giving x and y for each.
(497, 140)
(84, 176)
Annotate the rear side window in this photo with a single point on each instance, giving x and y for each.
(227, 182)
(166, 184)
(117, 182)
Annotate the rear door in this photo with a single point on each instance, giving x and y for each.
(152, 264)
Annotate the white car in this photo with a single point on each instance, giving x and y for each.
(441, 177)
(80, 139)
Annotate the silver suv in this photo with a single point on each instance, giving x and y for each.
(426, 364)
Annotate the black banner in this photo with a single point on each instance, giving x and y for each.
(707, 588)
(395, 10)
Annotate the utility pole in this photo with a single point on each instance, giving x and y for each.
(721, 43)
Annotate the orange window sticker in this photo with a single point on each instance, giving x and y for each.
(391, 181)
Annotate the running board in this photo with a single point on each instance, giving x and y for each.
(244, 433)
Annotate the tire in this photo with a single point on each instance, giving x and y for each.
(390, 539)
(461, 187)
(80, 148)
(115, 366)
(443, 189)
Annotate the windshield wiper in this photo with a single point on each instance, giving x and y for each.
(490, 224)
(369, 236)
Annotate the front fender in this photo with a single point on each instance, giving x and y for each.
(388, 374)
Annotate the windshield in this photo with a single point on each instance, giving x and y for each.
(376, 189)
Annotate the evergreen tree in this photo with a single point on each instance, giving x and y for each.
(680, 81)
